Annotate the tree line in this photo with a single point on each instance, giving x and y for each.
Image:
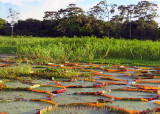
(123, 21)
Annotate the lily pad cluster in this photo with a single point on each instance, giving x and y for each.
(81, 88)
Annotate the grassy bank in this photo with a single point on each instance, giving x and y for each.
(86, 49)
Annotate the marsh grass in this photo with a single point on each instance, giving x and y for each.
(85, 49)
(13, 72)
(26, 72)
(56, 72)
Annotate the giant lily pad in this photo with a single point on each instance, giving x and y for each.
(43, 82)
(83, 83)
(149, 84)
(134, 105)
(47, 88)
(132, 94)
(74, 90)
(79, 110)
(67, 99)
(22, 107)
(15, 94)
(16, 84)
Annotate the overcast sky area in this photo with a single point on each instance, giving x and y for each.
(35, 8)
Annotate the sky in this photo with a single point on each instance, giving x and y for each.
(35, 8)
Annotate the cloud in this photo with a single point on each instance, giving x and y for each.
(87, 6)
(16, 2)
(35, 8)
(37, 12)
(152, 0)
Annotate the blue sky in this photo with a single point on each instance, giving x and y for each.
(36, 8)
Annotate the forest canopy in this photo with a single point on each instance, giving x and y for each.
(134, 21)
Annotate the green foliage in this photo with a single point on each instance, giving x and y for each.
(130, 22)
(84, 49)
(2, 23)
(2, 26)
(56, 72)
(20, 70)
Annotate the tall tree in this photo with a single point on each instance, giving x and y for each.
(70, 19)
(51, 15)
(127, 13)
(145, 11)
(14, 17)
(116, 22)
(103, 10)
(28, 27)
(2, 25)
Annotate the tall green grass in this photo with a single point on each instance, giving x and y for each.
(84, 49)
